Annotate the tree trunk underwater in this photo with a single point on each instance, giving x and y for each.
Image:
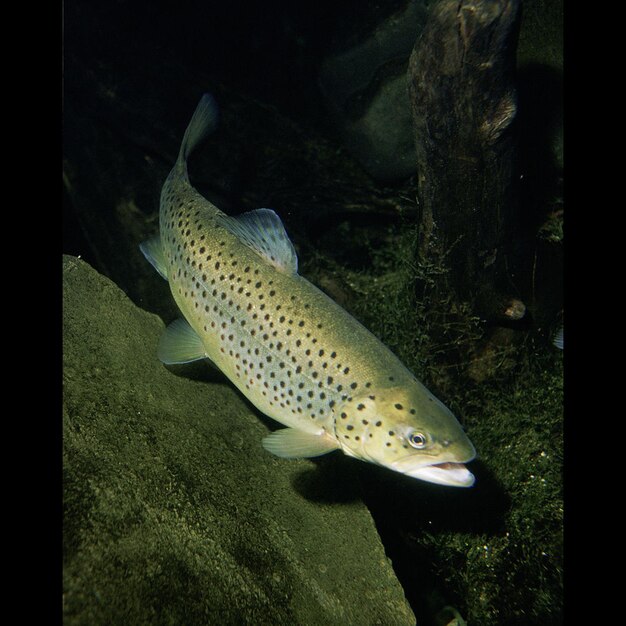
(463, 99)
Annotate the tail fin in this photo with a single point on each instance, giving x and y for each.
(203, 123)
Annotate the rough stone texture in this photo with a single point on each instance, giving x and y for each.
(378, 138)
(174, 514)
(365, 88)
(364, 85)
(133, 72)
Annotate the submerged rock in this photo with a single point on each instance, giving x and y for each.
(365, 88)
(174, 513)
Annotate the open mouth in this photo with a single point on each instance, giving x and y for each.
(451, 474)
(448, 473)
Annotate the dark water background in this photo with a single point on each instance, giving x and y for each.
(133, 73)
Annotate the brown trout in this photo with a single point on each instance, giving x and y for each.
(292, 351)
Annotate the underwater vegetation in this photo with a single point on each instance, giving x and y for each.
(174, 513)
(505, 537)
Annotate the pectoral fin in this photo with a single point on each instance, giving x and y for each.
(153, 251)
(293, 444)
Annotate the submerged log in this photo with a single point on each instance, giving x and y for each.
(463, 99)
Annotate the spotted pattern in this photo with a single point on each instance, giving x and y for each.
(268, 341)
(297, 355)
(374, 417)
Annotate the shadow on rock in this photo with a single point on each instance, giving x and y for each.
(333, 480)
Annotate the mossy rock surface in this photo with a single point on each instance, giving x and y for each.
(174, 513)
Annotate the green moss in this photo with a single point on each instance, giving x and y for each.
(494, 552)
(174, 513)
(517, 428)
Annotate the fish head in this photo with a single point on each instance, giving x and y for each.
(408, 430)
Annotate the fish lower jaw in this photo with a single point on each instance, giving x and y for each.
(447, 473)
(450, 474)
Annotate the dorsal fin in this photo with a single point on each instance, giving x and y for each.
(263, 231)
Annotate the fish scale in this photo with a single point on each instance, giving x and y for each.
(291, 350)
(266, 334)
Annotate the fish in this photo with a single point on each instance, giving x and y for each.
(557, 339)
(297, 356)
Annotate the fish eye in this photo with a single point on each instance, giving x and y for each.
(417, 440)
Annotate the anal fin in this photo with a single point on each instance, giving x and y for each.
(180, 344)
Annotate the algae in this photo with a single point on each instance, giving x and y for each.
(170, 509)
(174, 514)
(494, 552)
